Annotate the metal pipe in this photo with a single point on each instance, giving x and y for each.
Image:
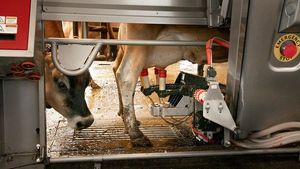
(208, 153)
(85, 31)
(100, 42)
(124, 42)
(79, 71)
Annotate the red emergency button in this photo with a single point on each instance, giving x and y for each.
(289, 49)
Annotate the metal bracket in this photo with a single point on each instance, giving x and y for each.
(97, 166)
(184, 107)
(215, 108)
(213, 13)
(224, 9)
(226, 142)
(40, 151)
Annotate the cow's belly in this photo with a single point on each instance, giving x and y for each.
(162, 56)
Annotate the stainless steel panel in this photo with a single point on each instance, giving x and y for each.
(266, 97)
(129, 11)
(21, 115)
(22, 122)
(236, 51)
(290, 19)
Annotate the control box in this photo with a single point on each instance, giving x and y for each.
(17, 28)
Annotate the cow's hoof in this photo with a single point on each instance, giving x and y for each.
(141, 142)
(120, 113)
(138, 123)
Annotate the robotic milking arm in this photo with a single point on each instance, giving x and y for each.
(192, 95)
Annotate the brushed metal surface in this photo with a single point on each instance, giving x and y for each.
(265, 97)
(129, 11)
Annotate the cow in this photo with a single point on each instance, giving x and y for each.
(132, 59)
(66, 93)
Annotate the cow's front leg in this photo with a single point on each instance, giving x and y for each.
(127, 75)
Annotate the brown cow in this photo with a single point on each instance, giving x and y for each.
(66, 93)
(132, 59)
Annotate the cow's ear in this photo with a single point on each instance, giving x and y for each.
(47, 105)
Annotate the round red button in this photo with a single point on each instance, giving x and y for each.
(289, 50)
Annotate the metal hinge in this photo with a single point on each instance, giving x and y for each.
(40, 153)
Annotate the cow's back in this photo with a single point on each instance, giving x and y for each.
(162, 56)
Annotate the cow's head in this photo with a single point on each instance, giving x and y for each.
(66, 95)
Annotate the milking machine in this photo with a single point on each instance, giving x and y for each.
(257, 109)
(192, 95)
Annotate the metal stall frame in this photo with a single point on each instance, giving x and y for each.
(191, 154)
(98, 44)
(129, 11)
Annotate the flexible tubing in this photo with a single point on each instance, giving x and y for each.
(276, 128)
(292, 138)
(273, 138)
(208, 47)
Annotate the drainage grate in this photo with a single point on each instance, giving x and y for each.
(117, 133)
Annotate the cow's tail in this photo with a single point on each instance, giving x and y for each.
(110, 31)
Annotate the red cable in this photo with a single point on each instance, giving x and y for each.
(209, 43)
(221, 42)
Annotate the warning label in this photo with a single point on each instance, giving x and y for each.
(11, 20)
(8, 29)
(282, 52)
(8, 24)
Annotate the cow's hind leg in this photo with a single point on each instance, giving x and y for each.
(116, 65)
(127, 75)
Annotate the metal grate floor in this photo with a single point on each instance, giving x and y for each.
(117, 133)
(113, 140)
